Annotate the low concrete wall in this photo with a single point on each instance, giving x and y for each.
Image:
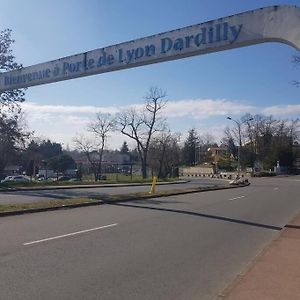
(208, 172)
(196, 171)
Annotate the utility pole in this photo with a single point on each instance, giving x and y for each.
(239, 124)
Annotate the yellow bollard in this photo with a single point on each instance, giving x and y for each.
(152, 190)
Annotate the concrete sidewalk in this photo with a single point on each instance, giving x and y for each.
(275, 275)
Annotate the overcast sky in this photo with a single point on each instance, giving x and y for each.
(202, 90)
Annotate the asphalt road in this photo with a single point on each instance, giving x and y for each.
(180, 247)
(15, 197)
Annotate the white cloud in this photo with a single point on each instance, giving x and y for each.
(66, 109)
(283, 110)
(198, 108)
(205, 108)
(61, 122)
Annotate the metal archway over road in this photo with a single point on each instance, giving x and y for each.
(270, 24)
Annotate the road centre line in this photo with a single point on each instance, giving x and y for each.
(231, 199)
(69, 234)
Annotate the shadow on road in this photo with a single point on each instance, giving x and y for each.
(154, 201)
(66, 194)
(214, 217)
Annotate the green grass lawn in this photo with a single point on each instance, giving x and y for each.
(87, 180)
(118, 177)
(43, 204)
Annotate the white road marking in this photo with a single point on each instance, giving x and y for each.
(236, 198)
(275, 189)
(69, 234)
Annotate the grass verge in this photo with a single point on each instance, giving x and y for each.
(44, 184)
(44, 204)
(12, 209)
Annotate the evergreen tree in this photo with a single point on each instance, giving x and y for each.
(61, 163)
(12, 135)
(7, 63)
(189, 149)
(12, 138)
(124, 149)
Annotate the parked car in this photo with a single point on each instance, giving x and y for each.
(18, 178)
(63, 178)
(74, 179)
(40, 177)
(6, 179)
(102, 177)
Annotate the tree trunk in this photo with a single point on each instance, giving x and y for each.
(144, 169)
(161, 162)
(95, 174)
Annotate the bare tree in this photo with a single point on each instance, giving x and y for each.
(207, 139)
(94, 148)
(101, 127)
(88, 147)
(265, 139)
(141, 125)
(296, 62)
(164, 154)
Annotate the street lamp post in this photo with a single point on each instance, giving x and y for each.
(240, 139)
(195, 156)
